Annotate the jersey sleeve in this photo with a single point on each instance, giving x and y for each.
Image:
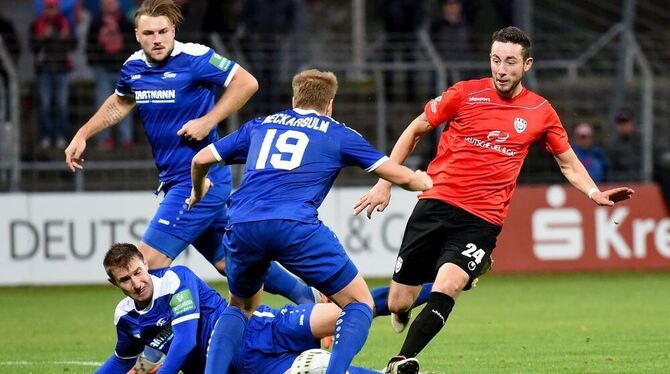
(185, 301)
(356, 151)
(233, 148)
(123, 84)
(554, 137)
(214, 68)
(443, 108)
(127, 346)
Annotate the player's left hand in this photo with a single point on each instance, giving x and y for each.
(196, 129)
(613, 196)
(195, 197)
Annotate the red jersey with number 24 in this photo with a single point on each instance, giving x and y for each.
(484, 143)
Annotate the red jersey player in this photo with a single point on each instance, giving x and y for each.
(490, 124)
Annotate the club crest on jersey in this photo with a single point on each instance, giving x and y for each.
(520, 124)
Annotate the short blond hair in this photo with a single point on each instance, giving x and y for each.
(157, 8)
(313, 89)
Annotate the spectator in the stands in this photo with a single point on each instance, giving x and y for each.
(592, 157)
(625, 149)
(111, 39)
(52, 41)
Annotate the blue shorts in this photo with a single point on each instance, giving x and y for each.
(274, 338)
(174, 227)
(308, 250)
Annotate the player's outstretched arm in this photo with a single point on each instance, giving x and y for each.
(200, 165)
(379, 196)
(240, 89)
(391, 172)
(404, 177)
(113, 110)
(576, 174)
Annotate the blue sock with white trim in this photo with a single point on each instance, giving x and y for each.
(226, 339)
(351, 332)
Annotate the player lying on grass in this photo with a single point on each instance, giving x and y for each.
(175, 313)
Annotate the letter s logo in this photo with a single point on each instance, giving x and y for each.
(557, 232)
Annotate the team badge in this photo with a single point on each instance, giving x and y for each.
(398, 264)
(520, 124)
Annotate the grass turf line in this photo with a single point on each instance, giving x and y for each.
(598, 323)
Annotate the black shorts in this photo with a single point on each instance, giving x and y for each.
(438, 233)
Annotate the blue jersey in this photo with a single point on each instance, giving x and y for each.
(179, 296)
(170, 94)
(292, 159)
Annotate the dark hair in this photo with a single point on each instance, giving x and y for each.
(157, 8)
(120, 255)
(514, 35)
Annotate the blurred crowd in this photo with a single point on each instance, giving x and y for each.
(617, 158)
(261, 28)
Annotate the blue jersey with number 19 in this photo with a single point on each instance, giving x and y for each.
(172, 93)
(292, 159)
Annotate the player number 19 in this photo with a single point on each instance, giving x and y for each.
(295, 148)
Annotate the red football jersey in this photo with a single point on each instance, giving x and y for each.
(484, 143)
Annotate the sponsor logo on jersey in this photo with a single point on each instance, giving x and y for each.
(155, 96)
(489, 145)
(433, 104)
(474, 99)
(497, 136)
(169, 75)
(135, 77)
(182, 302)
(163, 221)
(220, 62)
(520, 124)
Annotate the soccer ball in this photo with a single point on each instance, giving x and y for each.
(312, 361)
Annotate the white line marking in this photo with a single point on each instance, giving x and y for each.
(80, 363)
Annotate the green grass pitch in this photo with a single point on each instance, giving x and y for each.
(598, 323)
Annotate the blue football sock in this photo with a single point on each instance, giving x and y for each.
(423, 295)
(380, 296)
(279, 281)
(360, 370)
(351, 332)
(226, 340)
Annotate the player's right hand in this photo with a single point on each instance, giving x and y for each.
(73, 154)
(377, 198)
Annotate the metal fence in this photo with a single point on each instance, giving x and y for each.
(383, 86)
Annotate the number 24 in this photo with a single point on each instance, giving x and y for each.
(473, 252)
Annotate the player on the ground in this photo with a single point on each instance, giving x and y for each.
(172, 85)
(292, 159)
(490, 124)
(175, 313)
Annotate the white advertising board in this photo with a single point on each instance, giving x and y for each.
(61, 238)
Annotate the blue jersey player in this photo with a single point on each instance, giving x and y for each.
(292, 159)
(174, 311)
(172, 85)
